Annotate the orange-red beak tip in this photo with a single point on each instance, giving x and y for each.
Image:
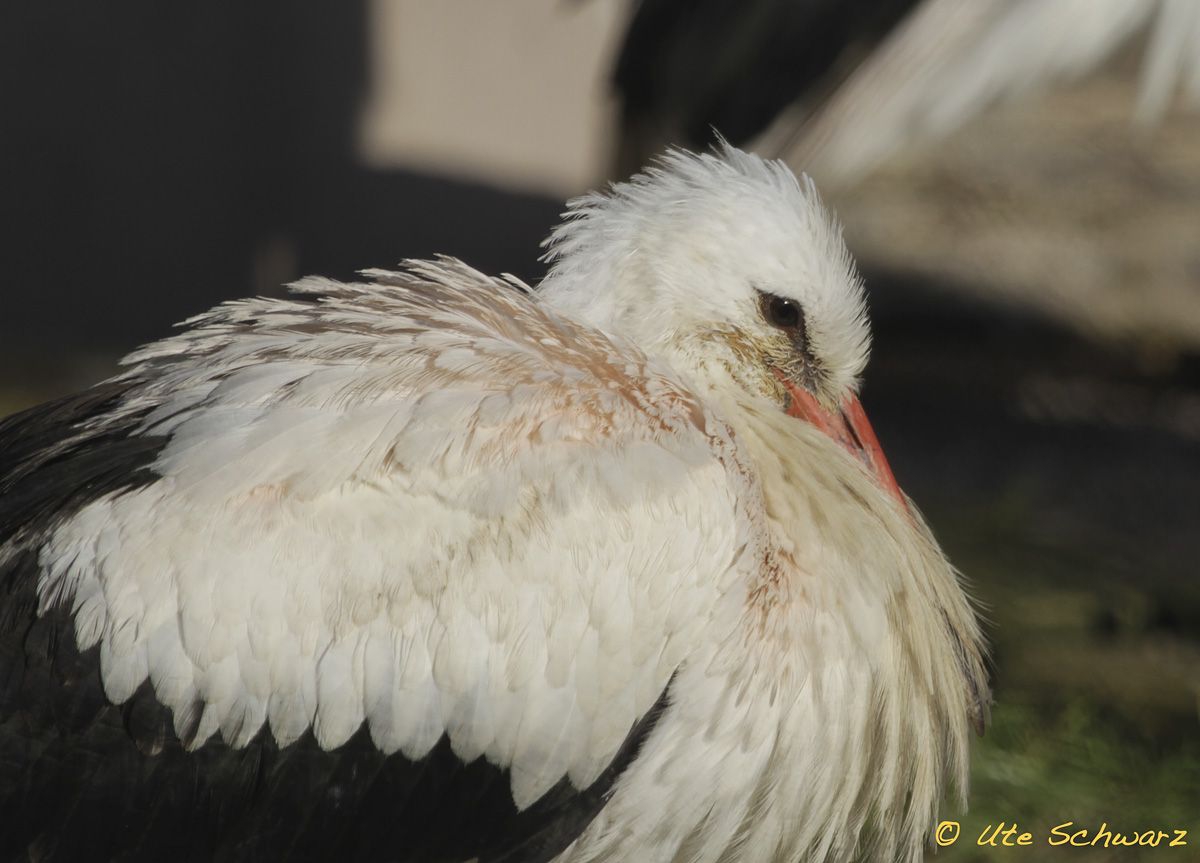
(850, 427)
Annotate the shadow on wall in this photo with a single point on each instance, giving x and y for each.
(158, 158)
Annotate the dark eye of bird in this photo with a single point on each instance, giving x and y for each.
(781, 312)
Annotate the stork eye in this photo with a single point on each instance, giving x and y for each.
(782, 312)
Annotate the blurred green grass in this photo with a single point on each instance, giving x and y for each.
(1095, 719)
(1041, 765)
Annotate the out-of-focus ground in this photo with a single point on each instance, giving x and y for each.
(1056, 205)
(1036, 378)
(1076, 529)
(1035, 286)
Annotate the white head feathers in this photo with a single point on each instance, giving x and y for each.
(683, 249)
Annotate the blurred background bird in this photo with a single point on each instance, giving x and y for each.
(1027, 232)
(840, 87)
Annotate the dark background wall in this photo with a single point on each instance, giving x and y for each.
(159, 157)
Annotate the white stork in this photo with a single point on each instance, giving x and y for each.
(436, 567)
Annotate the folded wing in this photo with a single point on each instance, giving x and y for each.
(412, 549)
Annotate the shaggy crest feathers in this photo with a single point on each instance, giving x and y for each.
(690, 239)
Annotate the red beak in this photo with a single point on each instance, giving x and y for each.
(850, 427)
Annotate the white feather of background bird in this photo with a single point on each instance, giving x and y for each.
(948, 61)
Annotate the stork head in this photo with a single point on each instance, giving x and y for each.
(727, 266)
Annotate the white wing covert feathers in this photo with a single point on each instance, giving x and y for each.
(441, 511)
